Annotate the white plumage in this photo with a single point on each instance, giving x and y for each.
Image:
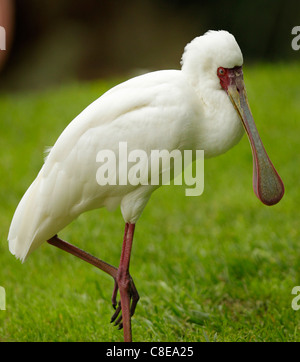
(170, 109)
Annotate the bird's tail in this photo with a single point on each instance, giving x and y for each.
(23, 229)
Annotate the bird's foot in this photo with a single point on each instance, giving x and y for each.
(134, 298)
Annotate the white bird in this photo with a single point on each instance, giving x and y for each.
(203, 106)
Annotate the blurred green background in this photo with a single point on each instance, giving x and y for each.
(220, 267)
(56, 41)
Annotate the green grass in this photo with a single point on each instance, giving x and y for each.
(220, 267)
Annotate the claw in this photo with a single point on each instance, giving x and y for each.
(134, 297)
(118, 321)
(115, 315)
(114, 295)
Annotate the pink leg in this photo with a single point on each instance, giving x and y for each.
(124, 281)
(121, 276)
(72, 249)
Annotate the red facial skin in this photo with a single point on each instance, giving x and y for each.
(227, 76)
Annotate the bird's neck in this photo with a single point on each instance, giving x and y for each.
(220, 126)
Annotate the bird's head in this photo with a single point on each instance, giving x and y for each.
(215, 60)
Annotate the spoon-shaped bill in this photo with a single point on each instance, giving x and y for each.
(267, 184)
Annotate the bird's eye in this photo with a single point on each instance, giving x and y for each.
(221, 71)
